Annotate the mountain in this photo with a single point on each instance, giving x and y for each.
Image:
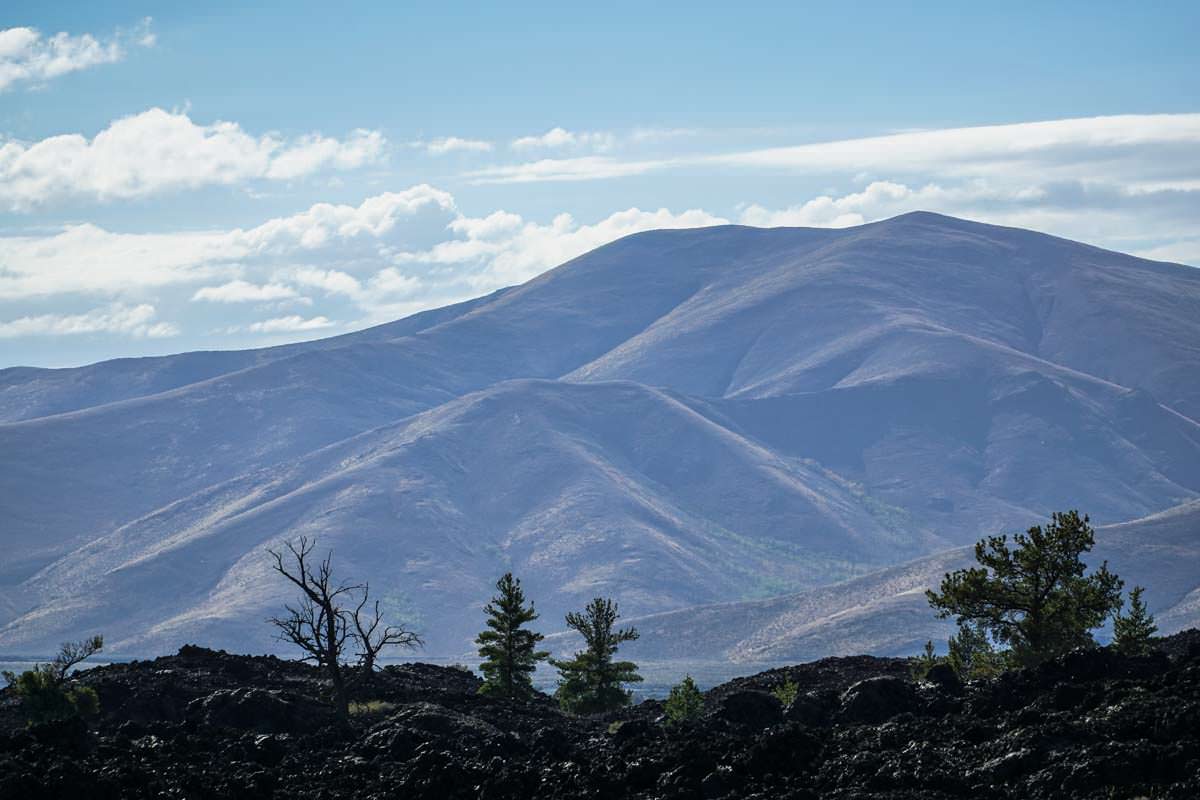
(678, 419)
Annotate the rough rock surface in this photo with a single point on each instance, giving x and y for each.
(205, 724)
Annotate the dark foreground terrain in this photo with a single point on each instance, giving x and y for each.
(205, 724)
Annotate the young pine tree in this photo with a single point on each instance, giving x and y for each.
(591, 681)
(507, 648)
(1132, 631)
(685, 702)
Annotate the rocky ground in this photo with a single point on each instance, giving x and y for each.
(205, 724)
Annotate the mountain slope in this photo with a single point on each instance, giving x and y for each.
(705, 416)
(886, 613)
(574, 486)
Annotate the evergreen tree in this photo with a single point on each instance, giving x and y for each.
(971, 655)
(1133, 631)
(685, 702)
(1034, 596)
(591, 681)
(507, 649)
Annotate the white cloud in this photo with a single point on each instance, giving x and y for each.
(137, 321)
(290, 324)
(1148, 147)
(453, 144)
(29, 57)
(513, 250)
(560, 138)
(157, 151)
(566, 169)
(239, 291)
(86, 259)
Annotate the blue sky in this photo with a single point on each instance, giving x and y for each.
(174, 178)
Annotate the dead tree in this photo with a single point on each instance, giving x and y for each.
(372, 639)
(323, 623)
(319, 625)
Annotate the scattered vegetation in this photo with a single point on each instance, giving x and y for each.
(324, 624)
(685, 702)
(786, 693)
(509, 650)
(45, 691)
(1033, 597)
(592, 681)
(1132, 632)
(366, 707)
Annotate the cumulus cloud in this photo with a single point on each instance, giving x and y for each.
(239, 291)
(560, 138)
(157, 151)
(454, 144)
(87, 259)
(29, 57)
(137, 321)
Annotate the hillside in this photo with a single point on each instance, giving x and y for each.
(886, 613)
(678, 419)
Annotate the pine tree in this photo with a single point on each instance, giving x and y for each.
(1132, 631)
(685, 702)
(1034, 596)
(507, 649)
(591, 681)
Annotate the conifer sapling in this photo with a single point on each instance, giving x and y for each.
(507, 648)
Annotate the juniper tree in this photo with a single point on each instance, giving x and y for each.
(1034, 596)
(1132, 631)
(508, 649)
(592, 681)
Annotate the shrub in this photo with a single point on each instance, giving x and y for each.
(44, 692)
(786, 693)
(920, 665)
(684, 702)
(363, 707)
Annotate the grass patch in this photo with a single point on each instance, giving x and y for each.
(358, 709)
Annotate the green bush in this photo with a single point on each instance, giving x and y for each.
(786, 693)
(45, 699)
(684, 702)
(44, 692)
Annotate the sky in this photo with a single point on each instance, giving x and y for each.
(230, 175)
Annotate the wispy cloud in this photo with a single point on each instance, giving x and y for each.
(137, 321)
(290, 324)
(1142, 147)
(158, 151)
(239, 291)
(454, 144)
(561, 138)
(27, 56)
